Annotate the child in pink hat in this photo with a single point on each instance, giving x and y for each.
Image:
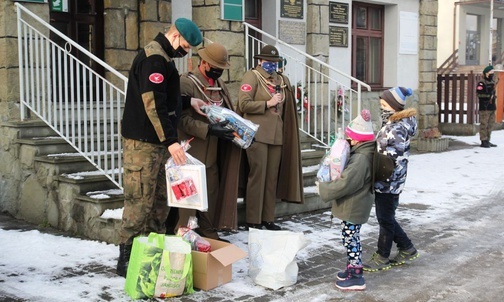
(352, 198)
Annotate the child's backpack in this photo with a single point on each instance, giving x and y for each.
(383, 167)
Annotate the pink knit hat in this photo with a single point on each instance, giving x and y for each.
(361, 128)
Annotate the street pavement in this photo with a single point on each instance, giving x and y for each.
(461, 258)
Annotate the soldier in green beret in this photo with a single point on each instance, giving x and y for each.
(149, 129)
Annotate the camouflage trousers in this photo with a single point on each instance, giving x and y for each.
(487, 121)
(144, 182)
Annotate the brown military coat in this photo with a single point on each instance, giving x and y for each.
(251, 99)
(212, 151)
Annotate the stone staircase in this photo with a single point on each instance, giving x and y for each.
(62, 189)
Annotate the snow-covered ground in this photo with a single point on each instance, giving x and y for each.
(36, 266)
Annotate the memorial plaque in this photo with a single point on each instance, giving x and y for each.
(291, 9)
(338, 36)
(338, 12)
(292, 32)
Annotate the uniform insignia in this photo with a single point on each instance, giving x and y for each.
(479, 87)
(246, 87)
(156, 78)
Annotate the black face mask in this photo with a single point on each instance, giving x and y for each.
(214, 73)
(179, 52)
(490, 77)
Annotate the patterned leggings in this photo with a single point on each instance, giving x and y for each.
(350, 235)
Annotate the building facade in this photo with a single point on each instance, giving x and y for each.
(383, 43)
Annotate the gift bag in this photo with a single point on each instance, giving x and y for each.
(159, 266)
(244, 130)
(272, 257)
(333, 163)
(186, 184)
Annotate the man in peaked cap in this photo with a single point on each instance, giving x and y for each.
(149, 129)
(212, 143)
(487, 99)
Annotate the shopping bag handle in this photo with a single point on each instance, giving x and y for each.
(156, 240)
(187, 266)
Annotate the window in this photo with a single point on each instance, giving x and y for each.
(367, 43)
(232, 10)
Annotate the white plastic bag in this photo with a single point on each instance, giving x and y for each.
(186, 185)
(272, 257)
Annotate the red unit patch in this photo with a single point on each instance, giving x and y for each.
(246, 87)
(156, 78)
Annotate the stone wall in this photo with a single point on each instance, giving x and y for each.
(427, 68)
(9, 90)
(429, 136)
(207, 15)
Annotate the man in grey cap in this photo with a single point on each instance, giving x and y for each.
(212, 143)
(149, 129)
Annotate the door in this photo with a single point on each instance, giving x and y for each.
(253, 16)
(83, 22)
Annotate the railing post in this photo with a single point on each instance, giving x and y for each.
(20, 61)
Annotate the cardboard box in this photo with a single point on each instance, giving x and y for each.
(215, 268)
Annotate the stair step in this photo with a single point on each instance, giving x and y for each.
(46, 145)
(88, 181)
(66, 163)
(311, 157)
(30, 128)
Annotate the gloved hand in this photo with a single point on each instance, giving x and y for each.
(219, 130)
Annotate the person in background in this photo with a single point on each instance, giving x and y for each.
(212, 143)
(399, 125)
(352, 198)
(486, 95)
(149, 129)
(266, 98)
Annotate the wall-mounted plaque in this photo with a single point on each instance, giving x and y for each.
(292, 32)
(338, 12)
(338, 36)
(291, 9)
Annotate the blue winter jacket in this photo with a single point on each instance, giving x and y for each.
(393, 140)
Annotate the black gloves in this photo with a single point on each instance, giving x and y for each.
(219, 130)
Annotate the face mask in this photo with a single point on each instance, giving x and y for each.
(214, 73)
(269, 67)
(180, 51)
(385, 115)
(490, 77)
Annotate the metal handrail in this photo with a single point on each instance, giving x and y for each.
(80, 105)
(320, 91)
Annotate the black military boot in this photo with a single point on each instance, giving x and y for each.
(485, 144)
(123, 261)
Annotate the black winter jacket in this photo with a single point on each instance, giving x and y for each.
(153, 102)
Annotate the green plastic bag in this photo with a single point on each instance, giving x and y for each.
(159, 266)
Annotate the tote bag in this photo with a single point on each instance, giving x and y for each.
(159, 266)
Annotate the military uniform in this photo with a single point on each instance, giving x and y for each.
(149, 125)
(220, 157)
(275, 154)
(486, 95)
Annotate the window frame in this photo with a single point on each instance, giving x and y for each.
(368, 33)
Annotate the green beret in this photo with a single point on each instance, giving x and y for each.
(487, 69)
(189, 31)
